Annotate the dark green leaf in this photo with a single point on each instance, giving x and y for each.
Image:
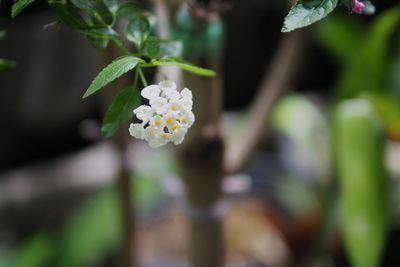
(129, 11)
(101, 33)
(2, 34)
(68, 15)
(98, 11)
(137, 31)
(120, 110)
(7, 64)
(178, 62)
(114, 70)
(99, 43)
(152, 46)
(18, 6)
(306, 12)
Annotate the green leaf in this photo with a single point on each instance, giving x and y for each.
(114, 70)
(137, 31)
(363, 183)
(112, 5)
(7, 64)
(178, 62)
(98, 43)
(306, 12)
(129, 11)
(120, 110)
(152, 46)
(2, 34)
(68, 15)
(18, 6)
(369, 64)
(98, 11)
(37, 251)
(92, 233)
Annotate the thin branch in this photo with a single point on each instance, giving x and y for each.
(275, 83)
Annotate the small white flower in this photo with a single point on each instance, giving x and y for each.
(159, 104)
(144, 113)
(168, 117)
(151, 91)
(137, 130)
(187, 119)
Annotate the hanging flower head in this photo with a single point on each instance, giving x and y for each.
(358, 6)
(167, 118)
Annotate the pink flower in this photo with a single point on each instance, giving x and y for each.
(358, 6)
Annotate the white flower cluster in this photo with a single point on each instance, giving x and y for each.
(168, 117)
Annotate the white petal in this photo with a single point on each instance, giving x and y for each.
(172, 94)
(179, 136)
(144, 113)
(186, 93)
(136, 130)
(167, 84)
(159, 104)
(151, 91)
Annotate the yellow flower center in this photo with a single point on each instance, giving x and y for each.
(174, 107)
(174, 127)
(169, 120)
(157, 122)
(164, 136)
(184, 120)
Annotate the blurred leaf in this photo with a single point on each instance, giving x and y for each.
(137, 31)
(93, 232)
(170, 48)
(2, 34)
(120, 110)
(37, 251)
(306, 12)
(298, 119)
(7, 64)
(129, 11)
(18, 6)
(68, 15)
(178, 62)
(340, 34)
(112, 5)
(368, 68)
(388, 108)
(146, 192)
(98, 11)
(360, 164)
(114, 70)
(152, 46)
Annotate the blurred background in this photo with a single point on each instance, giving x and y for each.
(321, 188)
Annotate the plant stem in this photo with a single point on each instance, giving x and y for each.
(142, 77)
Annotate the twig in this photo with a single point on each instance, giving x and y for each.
(280, 74)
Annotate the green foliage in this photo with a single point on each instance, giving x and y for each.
(7, 64)
(152, 47)
(120, 110)
(306, 12)
(37, 252)
(68, 15)
(178, 62)
(137, 31)
(18, 6)
(92, 233)
(359, 157)
(368, 68)
(114, 70)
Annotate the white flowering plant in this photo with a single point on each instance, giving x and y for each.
(168, 116)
